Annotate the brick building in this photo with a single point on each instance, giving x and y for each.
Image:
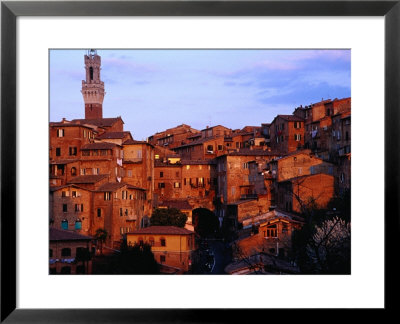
(173, 137)
(67, 252)
(138, 170)
(298, 194)
(287, 133)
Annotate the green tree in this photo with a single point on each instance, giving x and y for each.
(136, 259)
(168, 217)
(101, 236)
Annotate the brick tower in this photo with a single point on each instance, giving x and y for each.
(93, 88)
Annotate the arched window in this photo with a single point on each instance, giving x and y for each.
(64, 224)
(78, 224)
(66, 252)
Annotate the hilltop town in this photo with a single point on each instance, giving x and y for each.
(265, 198)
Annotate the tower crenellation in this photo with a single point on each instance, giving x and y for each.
(93, 88)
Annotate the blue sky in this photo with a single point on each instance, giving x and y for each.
(153, 90)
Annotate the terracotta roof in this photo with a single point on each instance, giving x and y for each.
(198, 142)
(167, 230)
(197, 162)
(111, 186)
(178, 204)
(55, 188)
(100, 122)
(290, 118)
(67, 124)
(98, 146)
(132, 142)
(114, 135)
(134, 187)
(62, 235)
(88, 178)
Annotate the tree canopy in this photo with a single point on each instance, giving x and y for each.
(136, 259)
(168, 217)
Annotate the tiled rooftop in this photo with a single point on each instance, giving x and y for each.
(171, 230)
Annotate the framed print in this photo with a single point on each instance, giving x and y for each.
(365, 33)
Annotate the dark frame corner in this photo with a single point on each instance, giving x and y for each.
(10, 10)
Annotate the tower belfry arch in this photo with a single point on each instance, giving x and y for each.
(93, 88)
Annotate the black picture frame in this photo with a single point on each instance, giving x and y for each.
(10, 10)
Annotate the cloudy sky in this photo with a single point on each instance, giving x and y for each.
(153, 90)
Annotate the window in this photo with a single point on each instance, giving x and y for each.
(107, 196)
(72, 151)
(85, 153)
(297, 124)
(272, 231)
(245, 165)
(96, 171)
(65, 208)
(58, 151)
(201, 182)
(120, 212)
(60, 133)
(177, 184)
(297, 137)
(73, 171)
(177, 174)
(151, 241)
(162, 241)
(210, 149)
(129, 173)
(103, 152)
(98, 212)
(162, 258)
(220, 147)
(64, 224)
(51, 253)
(66, 252)
(161, 174)
(78, 207)
(161, 185)
(64, 194)
(126, 212)
(78, 224)
(83, 171)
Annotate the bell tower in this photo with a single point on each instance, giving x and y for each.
(93, 88)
